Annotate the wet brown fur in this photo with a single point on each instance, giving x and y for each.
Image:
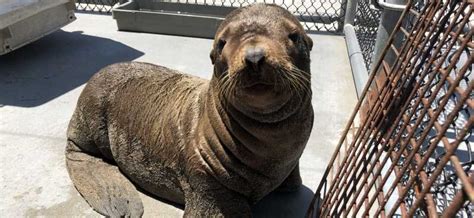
(193, 141)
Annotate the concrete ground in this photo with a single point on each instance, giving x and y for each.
(40, 84)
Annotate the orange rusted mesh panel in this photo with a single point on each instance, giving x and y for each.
(407, 149)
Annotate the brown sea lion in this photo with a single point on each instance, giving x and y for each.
(216, 146)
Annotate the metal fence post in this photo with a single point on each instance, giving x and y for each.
(359, 71)
(350, 12)
(341, 21)
(392, 9)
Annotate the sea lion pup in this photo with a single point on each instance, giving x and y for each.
(216, 146)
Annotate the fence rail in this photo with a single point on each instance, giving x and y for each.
(407, 150)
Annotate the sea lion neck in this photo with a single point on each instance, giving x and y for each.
(283, 112)
(257, 126)
(261, 149)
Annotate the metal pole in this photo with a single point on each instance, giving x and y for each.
(359, 70)
(392, 9)
(351, 9)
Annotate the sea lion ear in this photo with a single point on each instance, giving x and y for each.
(213, 56)
(308, 41)
(217, 49)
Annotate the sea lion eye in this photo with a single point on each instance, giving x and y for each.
(294, 37)
(220, 45)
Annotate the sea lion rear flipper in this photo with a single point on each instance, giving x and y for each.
(102, 185)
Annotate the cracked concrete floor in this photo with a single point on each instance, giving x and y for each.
(40, 84)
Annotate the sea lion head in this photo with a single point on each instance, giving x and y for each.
(261, 57)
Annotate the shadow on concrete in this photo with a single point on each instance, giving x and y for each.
(276, 204)
(284, 204)
(56, 64)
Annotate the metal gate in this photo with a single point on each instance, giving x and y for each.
(407, 149)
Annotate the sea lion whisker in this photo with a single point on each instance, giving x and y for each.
(281, 80)
(302, 76)
(286, 81)
(293, 67)
(303, 85)
(230, 87)
(227, 85)
(302, 82)
(294, 84)
(223, 83)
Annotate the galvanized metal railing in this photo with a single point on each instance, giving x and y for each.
(407, 149)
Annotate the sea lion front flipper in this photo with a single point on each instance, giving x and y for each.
(216, 203)
(102, 185)
(206, 197)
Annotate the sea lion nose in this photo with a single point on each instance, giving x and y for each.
(254, 55)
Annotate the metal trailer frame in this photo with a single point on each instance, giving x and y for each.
(21, 24)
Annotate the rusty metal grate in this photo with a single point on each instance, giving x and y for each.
(407, 149)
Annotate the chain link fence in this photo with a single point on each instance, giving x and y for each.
(98, 6)
(366, 25)
(316, 15)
